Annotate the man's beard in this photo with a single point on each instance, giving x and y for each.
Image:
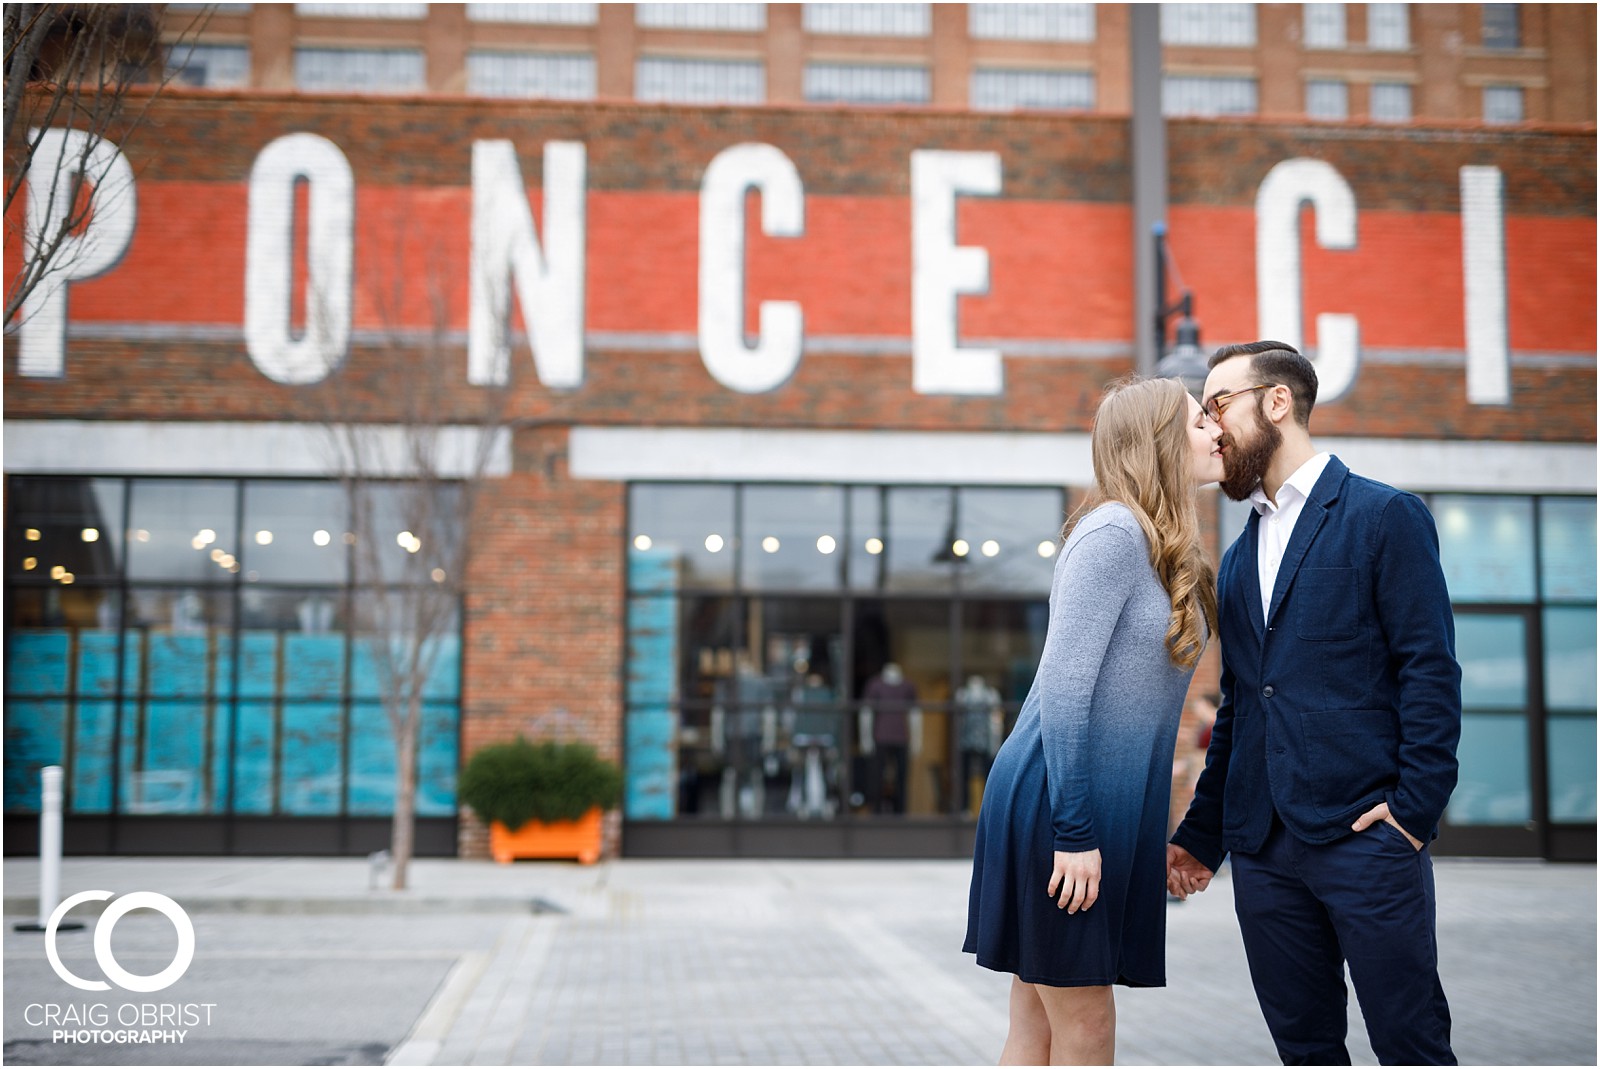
(1244, 465)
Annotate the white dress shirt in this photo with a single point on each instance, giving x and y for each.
(1276, 525)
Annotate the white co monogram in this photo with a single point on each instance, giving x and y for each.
(102, 941)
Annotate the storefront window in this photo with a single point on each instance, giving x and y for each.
(1569, 685)
(1486, 546)
(68, 530)
(1494, 780)
(226, 684)
(690, 527)
(1567, 548)
(821, 685)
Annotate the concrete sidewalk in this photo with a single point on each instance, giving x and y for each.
(728, 962)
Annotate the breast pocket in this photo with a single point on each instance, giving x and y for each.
(1327, 603)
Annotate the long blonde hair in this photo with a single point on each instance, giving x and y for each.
(1140, 447)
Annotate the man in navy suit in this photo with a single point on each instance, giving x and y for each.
(1334, 750)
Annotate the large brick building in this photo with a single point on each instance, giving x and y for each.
(793, 392)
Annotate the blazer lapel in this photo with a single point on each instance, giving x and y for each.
(1312, 515)
(1250, 580)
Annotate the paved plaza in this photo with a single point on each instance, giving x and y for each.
(711, 962)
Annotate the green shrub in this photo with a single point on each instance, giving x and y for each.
(515, 782)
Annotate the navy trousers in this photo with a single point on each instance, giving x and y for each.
(1366, 899)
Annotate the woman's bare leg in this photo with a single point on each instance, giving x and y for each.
(1083, 1024)
(1028, 1041)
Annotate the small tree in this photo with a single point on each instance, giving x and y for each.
(73, 67)
(411, 483)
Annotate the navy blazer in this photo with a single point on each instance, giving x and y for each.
(1348, 693)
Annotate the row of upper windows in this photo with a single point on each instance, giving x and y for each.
(1225, 25)
(660, 79)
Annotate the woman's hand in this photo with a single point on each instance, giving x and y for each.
(1078, 877)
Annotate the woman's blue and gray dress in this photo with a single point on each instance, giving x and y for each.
(1088, 765)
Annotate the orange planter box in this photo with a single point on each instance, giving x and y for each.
(564, 838)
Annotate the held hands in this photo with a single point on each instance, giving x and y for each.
(1078, 877)
(1381, 812)
(1185, 875)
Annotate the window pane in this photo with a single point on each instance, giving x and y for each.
(791, 537)
(360, 70)
(840, 83)
(253, 779)
(1031, 22)
(1572, 768)
(1208, 97)
(309, 778)
(800, 648)
(1324, 25)
(652, 651)
(867, 533)
(1494, 661)
(1567, 547)
(371, 762)
(1007, 90)
(701, 16)
(1569, 659)
(294, 532)
(921, 543)
(183, 529)
(45, 624)
(1502, 103)
(1493, 784)
(212, 66)
(1501, 26)
(1011, 539)
(1001, 642)
(293, 640)
(682, 536)
(187, 641)
(911, 633)
(74, 525)
(1486, 546)
(700, 81)
(171, 740)
(1328, 100)
(872, 20)
(406, 532)
(1389, 26)
(529, 75)
(363, 11)
(438, 757)
(1208, 24)
(89, 774)
(567, 14)
(34, 739)
(715, 659)
(1391, 102)
(397, 636)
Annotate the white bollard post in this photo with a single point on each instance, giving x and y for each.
(49, 843)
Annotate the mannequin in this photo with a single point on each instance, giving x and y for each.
(888, 705)
(979, 726)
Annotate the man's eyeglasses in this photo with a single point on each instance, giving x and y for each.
(1219, 404)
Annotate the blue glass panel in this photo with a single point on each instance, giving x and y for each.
(444, 676)
(651, 763)
(1572, 768)
(652, 570)
(366, 680)
(252, 765)
(309, 779)
(222, 715)
(1493, 788)
(1567, 547)
(36, 661)
(258, 664)
(1569, 659)
(652, 649)
(372, 763)
(178, 665)
(438, 757)
(313, 666)
(1486, 546)
(172, 778)
(97, 663)
(33, 740)
(89, 779)
(1494, 662)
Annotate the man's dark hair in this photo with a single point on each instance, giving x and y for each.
(1280, 364)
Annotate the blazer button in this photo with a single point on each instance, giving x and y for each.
(1267, 691)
